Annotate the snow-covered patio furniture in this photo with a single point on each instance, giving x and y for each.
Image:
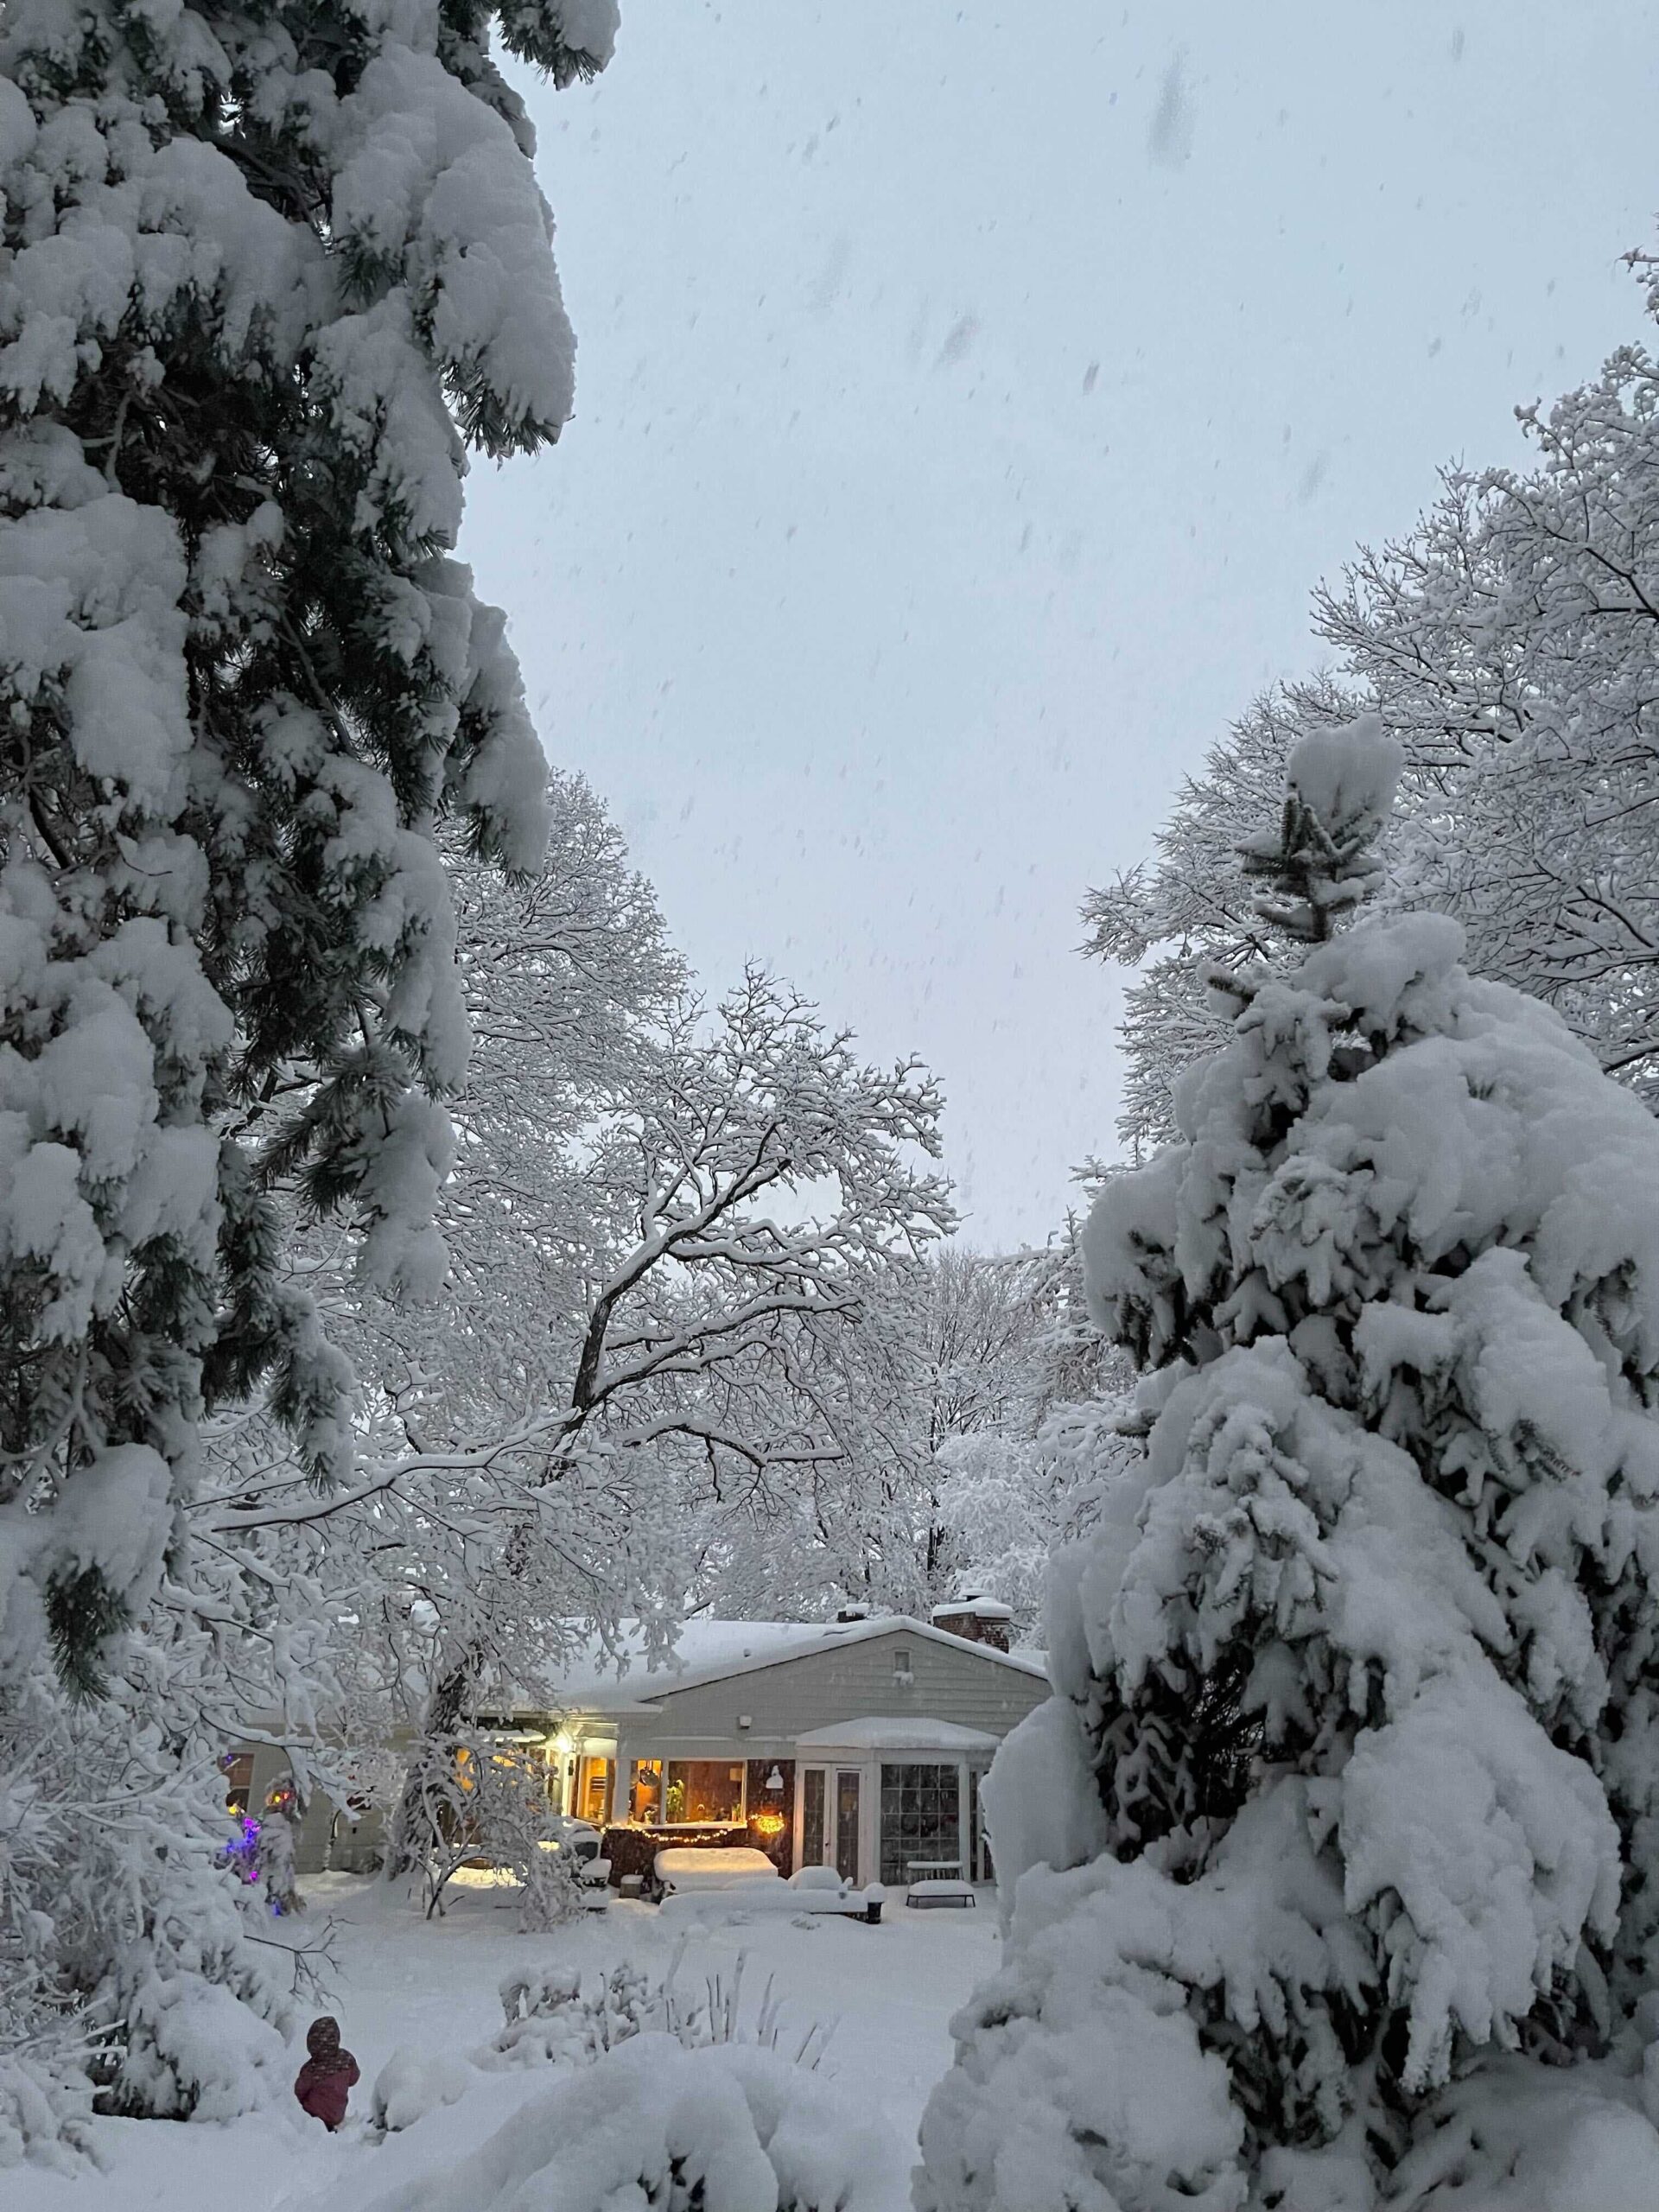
(593, 1868)
(820, 1889)
(804, 1893)
(940, 1893)
(688, 1866)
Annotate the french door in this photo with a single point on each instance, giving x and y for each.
(831, 1813)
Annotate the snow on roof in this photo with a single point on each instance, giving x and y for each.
(917, 1734)
(592, 1680)
(982, 1609)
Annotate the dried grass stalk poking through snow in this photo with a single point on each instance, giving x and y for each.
(1333, 1857)
(554, 2016)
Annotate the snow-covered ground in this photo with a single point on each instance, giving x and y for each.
(402, 1982)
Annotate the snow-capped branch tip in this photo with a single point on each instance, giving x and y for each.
(1320, 863)
(571, 40)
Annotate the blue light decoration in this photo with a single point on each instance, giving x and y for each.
(241, 1853)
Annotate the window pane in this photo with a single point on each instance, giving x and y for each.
(594, 1791)
(847, 1827)
(238, 1770)
(645, 1798)
(812, 1817)
(705, 1790)
(920, 1810)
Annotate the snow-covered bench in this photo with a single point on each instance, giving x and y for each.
(814, 1890)
(942, 1891)
(683, 1867)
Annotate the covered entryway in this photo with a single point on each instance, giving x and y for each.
(891, 1800)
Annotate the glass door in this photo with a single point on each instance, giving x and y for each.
(847, 1825)
(813, 1795)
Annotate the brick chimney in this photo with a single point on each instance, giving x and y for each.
(977, 1619)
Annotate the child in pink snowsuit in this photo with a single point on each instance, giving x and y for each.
(329, 2076)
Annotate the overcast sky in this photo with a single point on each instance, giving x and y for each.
(968, 397)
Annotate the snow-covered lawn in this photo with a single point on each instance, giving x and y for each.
(430, 1987)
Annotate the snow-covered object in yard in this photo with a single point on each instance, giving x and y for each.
(1355, 1715)
(412, 2083)
(816, 1877)
(684, 1866)
(729, 2127)
(742, 1900)
(45, 2112)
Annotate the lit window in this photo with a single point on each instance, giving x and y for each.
(236, 1767)
(702, 1793)
(646, 1799)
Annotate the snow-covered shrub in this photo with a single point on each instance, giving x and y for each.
(726, 2128)
(44, 2111)
(551, 2019)
(412, 2083)
(1355, 1719)
(555, 2016)
(469, 1798)
(124, 1963)
(273, 1852)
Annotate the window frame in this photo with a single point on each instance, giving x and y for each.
(739, 1819)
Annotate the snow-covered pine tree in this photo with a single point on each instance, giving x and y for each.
(1330, 1866)
(269, 270)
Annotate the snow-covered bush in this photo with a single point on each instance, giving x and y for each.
(1355, 1719)
(481, 1800)
(45, 2108)
(726, 2128)
(125, 1964)
(555, 2016)
(412, 2083)
(551, 2018)
(274, 1845)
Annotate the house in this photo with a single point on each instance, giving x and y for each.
(858, 1743)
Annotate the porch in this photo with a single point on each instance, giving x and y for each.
(893, 1801)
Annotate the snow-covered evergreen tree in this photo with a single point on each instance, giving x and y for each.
(1329, 1866)
(269, 271)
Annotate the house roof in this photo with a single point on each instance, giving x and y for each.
(593, 1680)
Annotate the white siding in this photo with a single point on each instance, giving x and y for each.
(855, 1681)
